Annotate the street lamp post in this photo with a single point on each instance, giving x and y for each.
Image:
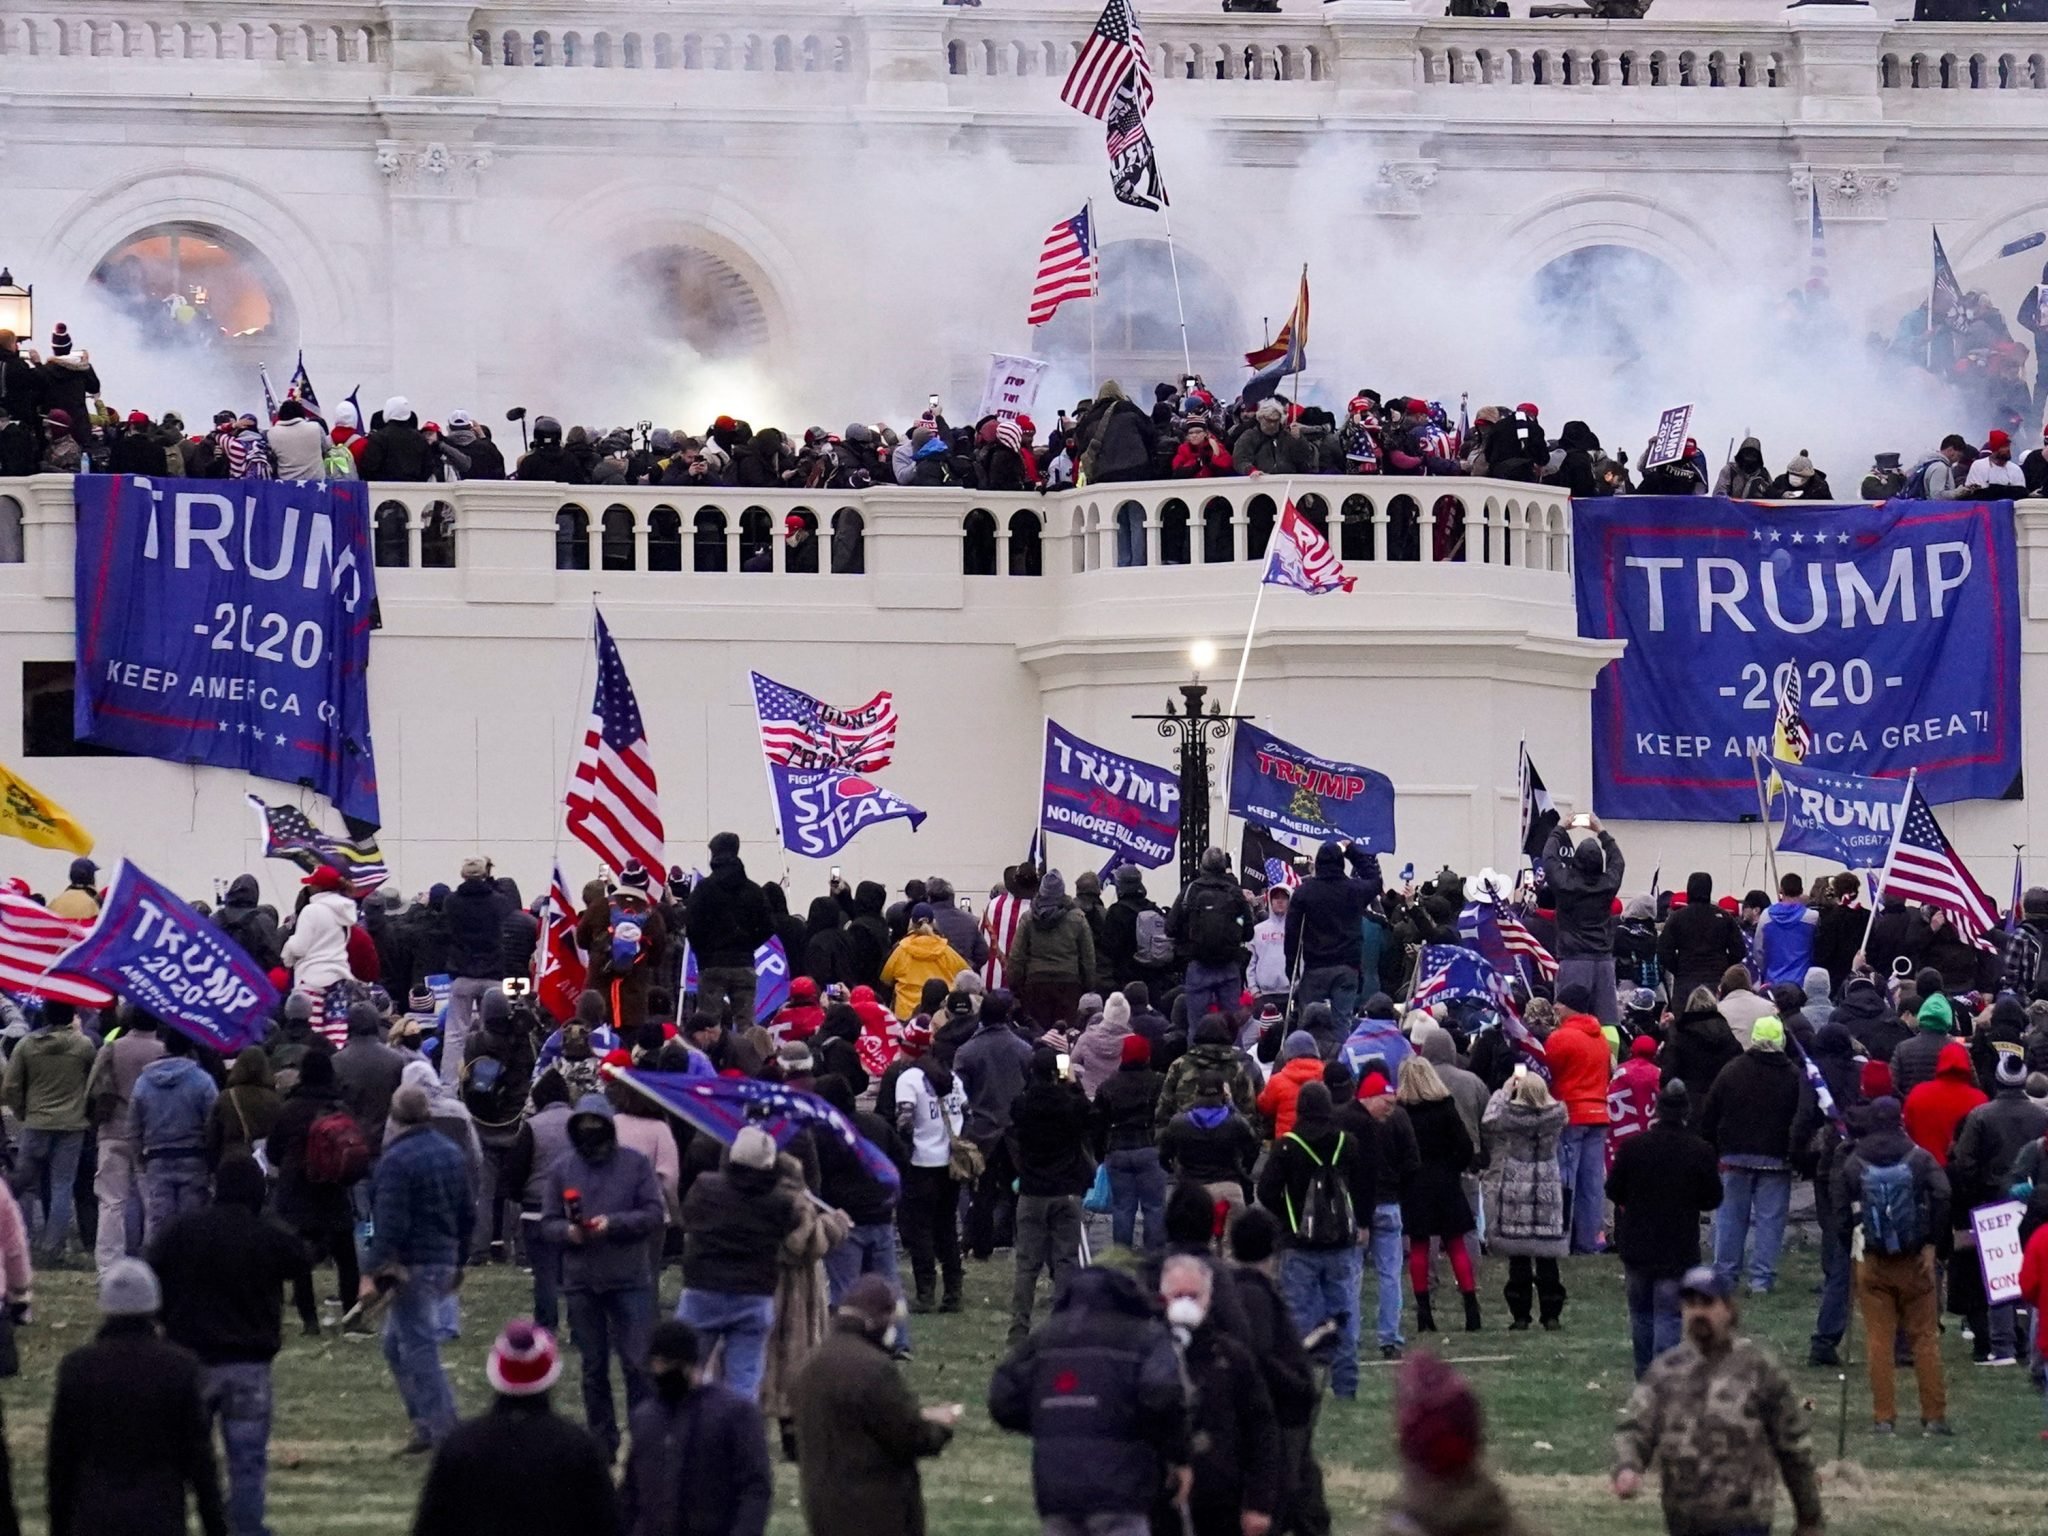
(1194, 729)
(17, 306)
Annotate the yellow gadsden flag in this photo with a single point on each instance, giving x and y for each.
(32, 816)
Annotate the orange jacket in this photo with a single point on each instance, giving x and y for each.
(1577, 1053)
(1276, 1099)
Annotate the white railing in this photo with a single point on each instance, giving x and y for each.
(733, 43)
(1637, 55)
(1937, 57)
(280, 34)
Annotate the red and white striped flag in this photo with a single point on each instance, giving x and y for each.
(1301, 558)
(1066, 266)
(999, 926)
(561, 967)
(31, 939)
(1114, 50)
(613, 803)
(1520, 941)
(1924, 867)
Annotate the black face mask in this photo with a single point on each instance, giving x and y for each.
(594, 1146)
(672, 1385)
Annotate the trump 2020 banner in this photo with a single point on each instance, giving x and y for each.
(1110, 800)
(155, 950)
(1281, 787)
(1840, 816)
(1899, 625)
(821, 809)
(229, 625)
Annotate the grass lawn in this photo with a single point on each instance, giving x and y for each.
(1550, 1402)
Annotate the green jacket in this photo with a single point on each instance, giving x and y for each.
(1060, 950)
(46, 1078)
(1179, 1091)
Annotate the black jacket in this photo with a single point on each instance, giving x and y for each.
(1883, 1145)
(306, 1206)
(1433, 1204)
(733, 1226)
(1325, 919)
(1235, 1439)
(1753, 1104)
(223, 1269)
(136, 453)
(67, 388)
(129, 1438)
(1914, 1059)
(867, 937)
(1870, 1020)
(1584, 902)
(1048, 1139)
(398, 450)
(698, 1467)
(844, 1181)
(246, 919)
(549, 460)
(1661, 1181)
(1836, 938)
(1276, 1345)
(728, 918)
(485, 461)
(1098, 1389)
(1123, 1109)
(1212, 920)
(1895, 931)
(1700, 1045)
(1222, 1153)
(1289, 1171)
(2005, 1030)
(1698, 943)
(518, 1470)
(475, 912)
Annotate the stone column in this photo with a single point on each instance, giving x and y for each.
(432, 166)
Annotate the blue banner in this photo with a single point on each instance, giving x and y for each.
(1110, 800)
(1896, 629)
(1279, 786)
(1839, 816)
(229, 625)
(151, 948)
(821, 809)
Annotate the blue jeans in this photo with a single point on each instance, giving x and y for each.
(1582, 1165)
(1386, 1267)
(1832, 1321)
(1653, 1319)
(1320, 1284)
(869, 1250)
(740, 1322)
(239, 1396)
(1336, 985)
(171, 1186)
(412, 1347)
(1209, 987)
(545, 1259)
(58, 1153)
(1136, 1181)
(1766, 1195)
(604, 1323)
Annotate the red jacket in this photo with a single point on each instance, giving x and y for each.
(797, 1021)
(2034, 1283)
(1187, 462)
(1632, 1099)
(1937, 1106)
(1579, 1068)
(363, 963)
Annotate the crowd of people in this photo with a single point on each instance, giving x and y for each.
(54, 420)
(1196, 1128)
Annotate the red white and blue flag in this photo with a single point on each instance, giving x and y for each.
(614, 803)
(561, 966)
(1925, 867)
(32, 937)
(724, 1106)
(1301, 558)
(1113, 54)
(799, 731)
(1066, 266)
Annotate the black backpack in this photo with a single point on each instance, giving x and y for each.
(1326, 1218)
(1214, 933)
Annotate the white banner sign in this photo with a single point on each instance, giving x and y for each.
(1668, 446)
(1998, 1248)
(1012, 388)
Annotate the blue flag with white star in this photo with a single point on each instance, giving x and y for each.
(724, 1106)
(1896, 627)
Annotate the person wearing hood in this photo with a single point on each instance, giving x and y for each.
(485, 461)
(1749, 1116)
(921, 957)
(1580, 1067)
(1212, 1051)
(318, 1212)
(497, 1076)
(848, 1184)
(1212, 922)
(1116, 441)
(1445, 1488)
(929, 1108)
(955, 924)
(2003, 1033)
(1301, 1064)
(317, 950)
(446, 1114)
(223, 1269)
(602, 1208)
(1583, 882)
(867, 936)
(1210, 1143)
(1914, 1061)
(1700, 1044)
(1744, 478)
(1048, 1148)
(174, 1099)
(475, 912)
(734, 1222)
(823, 958)
(1785, 936)
(246, 1112)
(1124, 1108)
(992, 1067)
(1136, 945)
(698, 1465)
(1662, 1183)
(1320, 1183)
(1980, 1169)
(1933, 1110)
(397, 449)
(1052, 957)
(1819, 1006)
(1325, 927)
(1576, 472)
(1897, 1192)
(1869, 1019)
(249, 920)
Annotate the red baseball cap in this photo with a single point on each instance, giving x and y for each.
(1998, 440)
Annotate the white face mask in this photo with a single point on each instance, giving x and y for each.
(1186, 1312)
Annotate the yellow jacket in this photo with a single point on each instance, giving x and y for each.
(920, 958)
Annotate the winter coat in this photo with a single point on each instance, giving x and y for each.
(65, 384)
(475, 911)
(250, 922)
(1296, 1162)
(110, 1090)
(1869, 1019)
(1209, 1145)
(1271, 453)
(1433, 1203)
(1660, 1183)
(223, 1268)
(317, 951)
(1324, 920)
(398, 450)
(1098, 1052)
(733, 1222)
(920, 958)
(247, 1110)
(1524, 1192)
(1988, 1143)
(1631, 1100)
(1883, 1146)
(1701, 1044)
(1579, 1068)
(302, 1204)
(300, 448)
(1915, 1058)
(1048, 1140)
(867, 937)
(1785, 937)
(129, 1438)
(1212, 920)
(422, 1208)
(519, 1469)
(1098, 1389)
(623, 1189)
(1895, 931)
(728, 918)
(2005, 1032)
(1124, 1107)
(1054, 942)
(625, 985)
(46, 1079)
(991, 1066)
(367, 1074)
(173, 1099)
(1234, 1439)
(1240, 1088)
(1277, 1099)
(1121, 443)
(1584, 902)
(1744, 477)
(1751, 1108)
(860, 1436)
(1935, 1108)
(697, 1467)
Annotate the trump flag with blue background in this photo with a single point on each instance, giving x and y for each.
(1287, 790)
(159, 953)
(230, 626)
(723, 1106)
(1110, 800)
(1899, 625)
(1839, 816)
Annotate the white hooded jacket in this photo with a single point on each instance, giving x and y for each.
(317, 951)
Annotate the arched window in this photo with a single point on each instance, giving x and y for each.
(196, 286)
(1173, 532)
(437, 537)
(1611, 302)
(699, 299)
(616, 544)
(710, 540)
(664, 540)
(978, 543)
(757, 540)
(1137, 332)
(11, 547)
(572, 539)
(1130, 534)
(1217, 535)
(849, 542)
(1259, 515)
(1027, 554)
(389, 541)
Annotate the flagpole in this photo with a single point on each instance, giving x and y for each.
(1891, 848)
(1094, 289)
(1187, 359)
(1763, 811)
(1933, 279)
(1244, 655)
(1301, 342)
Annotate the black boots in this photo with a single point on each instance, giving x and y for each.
(1425, 1319)
(1471, 1311)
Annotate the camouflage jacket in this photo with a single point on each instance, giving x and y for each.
(1722, 1429)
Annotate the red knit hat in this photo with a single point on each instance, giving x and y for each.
(524, 1361)
(1437, 1417)
(803, 990)
(1644, 1046)
(1876, 1080)
(1136, 1051)
(1374, 1085)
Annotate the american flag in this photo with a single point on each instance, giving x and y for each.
(1817, 263)
(1924, 867)
(799, 731)
(561, 967)
(1066, 266)
(1301, 558)
(1113, 51)
(289, 834)
(724, 1106)
(614, 805)
(999, 926)
(1450, 972)
(1945, 298)
(301, 386)
(1492, 929)
(31, 939)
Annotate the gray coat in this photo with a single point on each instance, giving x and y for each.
(1524, 1195)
